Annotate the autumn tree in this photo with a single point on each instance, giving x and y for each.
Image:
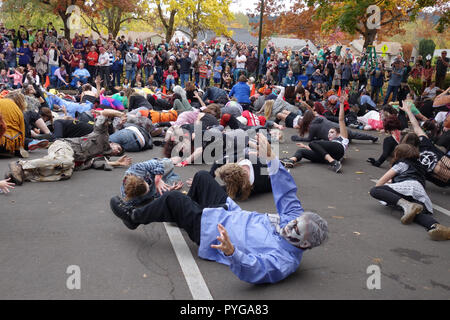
(270, 15)
(166, 14)
(203, 15)
(316, 19)
(110, 15)
(57, 7)
(355, 17)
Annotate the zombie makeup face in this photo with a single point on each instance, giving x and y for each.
(332, 134)
(296, 232)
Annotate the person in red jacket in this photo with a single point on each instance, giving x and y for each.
(92, 60)
(169, 77)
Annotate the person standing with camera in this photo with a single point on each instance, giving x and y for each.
(53, 59)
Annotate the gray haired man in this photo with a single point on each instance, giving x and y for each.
(258, 248)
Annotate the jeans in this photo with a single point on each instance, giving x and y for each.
(169, 83)
(184, 77)
(131, 74)
(237, 71)
(74, 81)
(148, 72)
(127, 139)
(202, 83)
(394, 91)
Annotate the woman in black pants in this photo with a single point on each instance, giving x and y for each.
(407, 191)
(391, 125)
(331, 151)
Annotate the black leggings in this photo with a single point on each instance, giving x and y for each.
(391, 197)
(185, 210)
(319, 149)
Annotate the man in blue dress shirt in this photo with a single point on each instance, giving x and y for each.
(258, 248)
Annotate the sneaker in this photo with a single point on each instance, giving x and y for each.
(35, 144)
(287, 163)
(123, 211)
(354, 125)
(15, 172)
(439, 233)
(336, 166)
(375, 140)
(23, 153)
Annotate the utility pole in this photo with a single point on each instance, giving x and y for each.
(261, 15)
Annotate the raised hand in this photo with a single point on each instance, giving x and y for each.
(225, 244)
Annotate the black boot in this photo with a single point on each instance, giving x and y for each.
(123, 212)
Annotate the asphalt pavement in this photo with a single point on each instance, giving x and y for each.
(47, 227)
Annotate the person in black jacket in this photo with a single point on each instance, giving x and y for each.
(392, 126)
(185, 68)
(407, 191)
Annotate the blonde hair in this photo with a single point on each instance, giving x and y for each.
(18, 98)
(268, 107)
(236, 180)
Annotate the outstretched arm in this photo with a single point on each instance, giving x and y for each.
(342, 126)
(415, 124)
(283, 184)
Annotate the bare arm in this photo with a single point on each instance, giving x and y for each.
(342, 126)
(407, 108)
(386, 177)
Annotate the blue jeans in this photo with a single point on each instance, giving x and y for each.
(127, 139)
(236, 73)
(184, 77)
(74, 81)
(71, 107)
(130, 74)
(394, 91)
(169, 83)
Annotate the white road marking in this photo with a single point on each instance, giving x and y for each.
(194, 278)
(435, 206)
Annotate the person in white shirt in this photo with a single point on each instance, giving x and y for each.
(241, 59)
(104, 67)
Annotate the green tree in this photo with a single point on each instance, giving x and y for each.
(426, 47)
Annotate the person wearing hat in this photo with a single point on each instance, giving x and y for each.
(306, 54)
(185, 68)
(131, 61)
(395, 81)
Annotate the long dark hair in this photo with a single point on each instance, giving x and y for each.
(305, 122)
